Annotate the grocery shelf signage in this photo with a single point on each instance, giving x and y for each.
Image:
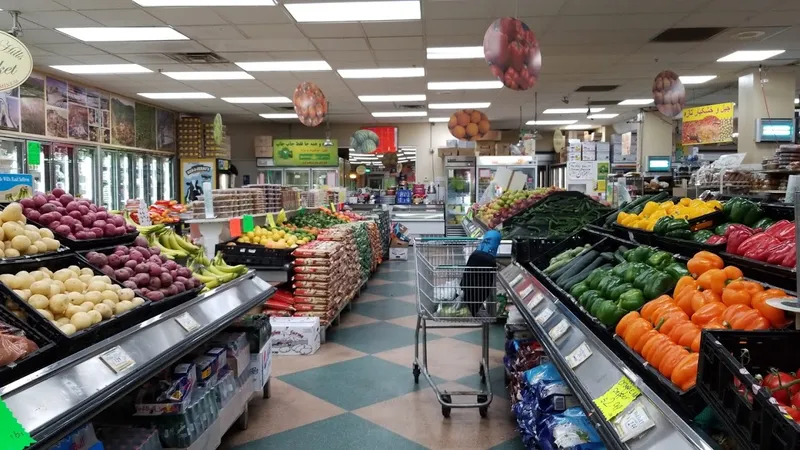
(708, 124)
(15, 186)
(16, 62)
(195, 172)
(305, 153)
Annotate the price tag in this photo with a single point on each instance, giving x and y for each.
(271, 220)
(616, 399)
(544, 316)
(633, 423)
(117, 359)
(144, 215)
(579, 355)
(516, 280)
(12, 435)
(559, 330)
(537, 298)
(526, 291)
(187, 322)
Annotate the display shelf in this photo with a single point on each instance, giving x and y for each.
(55, 400)
(564, 337)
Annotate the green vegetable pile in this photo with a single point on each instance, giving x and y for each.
(674, 228)
(563, 258)
(557, 215)
(317, 220)
(364, 141)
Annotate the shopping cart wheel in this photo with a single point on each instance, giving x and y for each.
(446, 409)
(416, 373)
(482, 373)
(483, 410)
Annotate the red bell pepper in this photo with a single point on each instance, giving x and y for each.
(736, 237)
(791, 256)
(783, 230)
(777, 253)
(716, 239)
(756, 246)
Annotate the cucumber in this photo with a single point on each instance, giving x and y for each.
(583, 273)
(577, 265)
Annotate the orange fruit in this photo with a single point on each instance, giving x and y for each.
(459, 131)
(453, 121)
(462, 118)
(475, 117)
(472, 129)
(468, 111)
(483, 126)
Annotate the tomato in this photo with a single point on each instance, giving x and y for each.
(519, 53)
(774, 381)
(497, 71)
(495, 48)
(508, 27)
(790, 411)
(796, 400)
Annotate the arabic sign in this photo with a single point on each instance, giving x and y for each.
(708, 124)
(16, 62)
(305, 153)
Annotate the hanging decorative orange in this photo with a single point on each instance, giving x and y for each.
(310, 104)
(469, 124)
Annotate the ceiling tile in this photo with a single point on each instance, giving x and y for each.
(187, 16)
(402, 57)
(456, 27)
(90, 5)
(556, 36)
(99, 59)
(241, 15)
(621, 7)
(458, 9)
(295, 56)
(341, 44)
(332, 30)
(740, 5)
(72, 49)
(148, 58)
(31, 5)
(251, 45)
(46, 37)
(123, 17)
(53, 19)
(771, 18)
(590, 23)
(349, 60)
(211, 32)
(716, 19)
(54, 60)
(117, 48)
(397, 43)
(413, 28)
(287, 31)
(36, 51)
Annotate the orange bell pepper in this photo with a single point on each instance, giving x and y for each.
(735, 293)
(677, 333)
(685, 282)
(695, 345)
(750, 286)
(708, 313)
(657, 355)
(666, 312)
(686, 299)
(670, 323)
(713, 280)
(733, 272)
(684, 375)
(705, 297)
(652, 305)
(749, 320)
(715, 324)
(685, 340)
(644, 340)
(652, 345)
(671, 360)
(731, 311)
(702, 262)
(777, 318)
(626, 320)
(635, 331)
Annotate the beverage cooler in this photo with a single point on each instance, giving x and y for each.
(299, 177)
(272, 176)
(152, 175)
(86, 175)
(460, 191)
(487, 167)
(324, 177)
(167, 178)
(11, 160)
(137, 178)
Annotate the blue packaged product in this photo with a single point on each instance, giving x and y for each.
(542, 372)
(553, 397)
(570, 430)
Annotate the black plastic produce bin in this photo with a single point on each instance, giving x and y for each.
(779, 276)
(254, 255)
(731, 357)
(32, 362)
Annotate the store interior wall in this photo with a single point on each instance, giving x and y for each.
(655, 137)
(772, 98)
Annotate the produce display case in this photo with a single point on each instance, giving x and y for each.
(10, 155)
(459, 190)
(420, 219)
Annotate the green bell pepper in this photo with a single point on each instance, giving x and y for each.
(579, 289)
(631, 300)
(592, 301)
(680, 234)
(676, 270)
(638, 254)
(643, 278)
(597, 275)
(660, 259)
(596, 305)
(616, 291)
(609, 314)
(764, 223)
(587, 296)
(702, 236)
(662, 224)
(657, 284)
(721, 229)
(619, 269)
(605, 288)
(606, 281)
(745, 212)
(633, 270)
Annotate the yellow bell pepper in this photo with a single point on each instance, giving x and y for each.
(630, 220)
(685, 201)
(714, 204)
(621, 217)
(649, 208)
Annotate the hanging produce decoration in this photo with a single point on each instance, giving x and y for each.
(361, 170)
(513, 54)
(364, 141)
(389, 160)
(469, 124)
(559, 141)
(310, 104)
(668, 93)
(218, 130)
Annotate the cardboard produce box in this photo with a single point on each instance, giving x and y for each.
(264, 152)
(261, 366)
(448, 152)
(466, 151)
(492, 135)
(502, 149)
(262, 141)
(400, 254)
(295, 335)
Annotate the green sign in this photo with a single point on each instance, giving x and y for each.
(305, 152)
(34, 153)
(12, 435)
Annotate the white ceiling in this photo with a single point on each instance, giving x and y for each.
(583, 42)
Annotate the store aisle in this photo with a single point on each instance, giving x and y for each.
(357, 391)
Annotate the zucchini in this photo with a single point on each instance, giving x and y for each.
(555, 266)
(583, 274)
(577, 265)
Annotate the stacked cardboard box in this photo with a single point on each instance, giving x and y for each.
(190, 137)
(262, 145)
(210, 147)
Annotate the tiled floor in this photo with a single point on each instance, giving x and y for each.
(358, 392)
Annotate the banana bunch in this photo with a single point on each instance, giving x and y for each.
(147, 231)
(214, 272)
(172, 245)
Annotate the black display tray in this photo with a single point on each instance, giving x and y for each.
(779, 276)
(32, 362)
(253, 255)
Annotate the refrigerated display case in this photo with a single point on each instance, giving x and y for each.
(108, 178)
(123, 178)
(167, 178)
(324, 177)
(298, 177)
(58, 166)
(86, 166)
(151, 175)
(273, 176)
(137, 179)
(10, 155)
(459, 190)
(37, 169)
(488, 166)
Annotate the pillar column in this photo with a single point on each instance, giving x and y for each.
(777, 95)
(654, 138)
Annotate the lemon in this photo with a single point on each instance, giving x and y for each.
(251, 234)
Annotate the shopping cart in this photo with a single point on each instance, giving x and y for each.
(453, 295)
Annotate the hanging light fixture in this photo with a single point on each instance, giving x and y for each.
(328, 142)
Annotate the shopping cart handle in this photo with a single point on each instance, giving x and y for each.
(450, 238)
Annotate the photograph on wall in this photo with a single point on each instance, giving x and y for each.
(77, 94)
(165, 133)
(104, 103)
(95, 118)
(56, 92)
(145, 126)
(104, 118)
(32, 110)
(123, 128)
(92, 98)
(106, 135)
(57, 121)
(95, 134)
(9, 110)
(78, 122)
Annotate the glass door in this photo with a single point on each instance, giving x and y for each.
(299, 178)
(323, 177)
(123, 179)
(138, 177)
(152, 179)
(86, 176)
(60, 170)
(10, 153)
(168, 179)
(108, 178)
(273, 176)
(36, 168)
(459, 193)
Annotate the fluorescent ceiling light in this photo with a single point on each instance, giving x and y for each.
(156, 3)
(201, 75)
(123, 34)
(459, 105)
(408, 72)
(279, 116)
(97, 69)
(284, 66)
(696, 79)
(750, 55)
(636, 101)
(602, 116)
(355, 11)
(550, 122)
(438, 119)
(257, 99)
(401, 114)
(455, 52)
(464, 85)
(392, 98)
(570, 110)
(175, 95)
(580, 126)
(796, 101)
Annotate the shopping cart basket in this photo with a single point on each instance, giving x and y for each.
(453, 295)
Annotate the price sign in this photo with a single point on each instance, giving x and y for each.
(12, 435)
(537, 298)
(187, 322)
(524, 293)
(579, 355)
(559, 330)
(544, 316)
(516, 280)
(633, 423)
(117, 359)
(144, 215)
(616, 399)
(271, 220)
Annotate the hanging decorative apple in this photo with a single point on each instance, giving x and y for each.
(668, 93)
(513, 54)
(310, 104)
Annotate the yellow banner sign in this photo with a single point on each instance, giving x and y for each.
(710, 124)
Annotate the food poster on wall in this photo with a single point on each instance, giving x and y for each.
(78, 122)
(387, 139)
(14, 186)
(305, 153)
(710, 124)
(32, 107)
(195, 172)
(9, 110)
(145, 126)
(123, 121)
(165, 130)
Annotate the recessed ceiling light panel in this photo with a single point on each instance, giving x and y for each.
(377, 11)
(459, 105)
(201, 75)
(284, 66)
(263, 100)
(602, 116)
(123, 34)
(401, 114)
(159, 3)
(571, 110)
(696, 79)
(475, 52)
(102, 69)
(636, 101)
(580, 126)
(750, 55)
(175, 95)
(392, 98)
(550, 122)
(279, 116)
(407, 72)
(464, 85)
(438, 119)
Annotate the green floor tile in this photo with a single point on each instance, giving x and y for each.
(374, 337)
(496, 377)
(497, 337)
(385, 309)
(391, 290)
(342, 432)
(356, 383)
(512, 444)
(395, 275)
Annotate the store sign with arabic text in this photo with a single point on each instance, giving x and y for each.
(710, 124)
(305, 153)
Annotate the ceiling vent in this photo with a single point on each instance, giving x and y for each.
(284, 108)
(410, 107)
(597, 88)
(605, 102)
(197, 58)
(697, 34)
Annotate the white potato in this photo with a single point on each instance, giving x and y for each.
(86, 306)
(85, 278)
(80, 320)
(68, 329)
(137, 301)
(110, 295)
(123, 306)
(93, 296)
(41, 287)
(46, 314)
(25, 281)
(46, 234)
(75, 269)
(62, 320)
(37, 275)
(95, 316)
(71, 310)
(59, 303)
(114, 287)
(105, 311)
(87, 271)
(76, 298)
(126, 294)
(96, 286)
(62, 275)
(10, 280)
(39, 301)
(74, 285)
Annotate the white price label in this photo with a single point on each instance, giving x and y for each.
(526, 291)
(559, 330)
(544, 316)
(187, 322)
(143, 213)
(117, 359)
(516, 280)
(537, 298)
(633, 423)
(579, 355)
